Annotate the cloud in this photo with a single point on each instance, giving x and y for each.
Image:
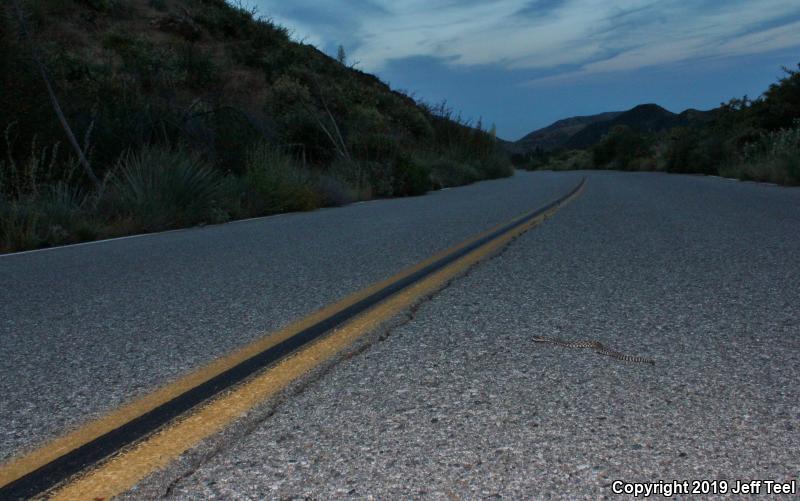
(540, 8)
(594, 36)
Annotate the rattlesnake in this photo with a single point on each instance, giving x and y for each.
(598, 347)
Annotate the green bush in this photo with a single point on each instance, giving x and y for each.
(117, 7)
(366, 179)
(619, 148)
(681, 151)
(275, 183)
(533, 160)
(219, 18)
(18, 226)
(234, 134)
(199, 70)
(298, 126)
(159, 187)
(494, 165)
(149, 65)
(55, 214)
(159, 5)
(43, 167)
(63, 205)
(780, 105)
(688, 150)
(570, 160)
(264, 48)
(774, 157)
(411, 178)
(41, 201)
(446, 173)
(334, 192)
(413, 120)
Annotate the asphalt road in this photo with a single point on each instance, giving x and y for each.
(699, 273)
(84, 329)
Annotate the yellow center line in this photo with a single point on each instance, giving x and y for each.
(127, 468)
(20, 467)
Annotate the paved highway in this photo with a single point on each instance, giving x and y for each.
(86, 328)
(698, 273)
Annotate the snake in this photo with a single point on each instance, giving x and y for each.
(598, 347)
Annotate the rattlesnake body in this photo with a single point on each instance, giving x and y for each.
(598, 347)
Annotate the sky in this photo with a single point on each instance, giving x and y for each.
(522, 64)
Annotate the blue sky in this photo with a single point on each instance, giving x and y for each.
(523, 64)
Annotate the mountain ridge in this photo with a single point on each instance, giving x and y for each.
(580, 132)
(555, 134)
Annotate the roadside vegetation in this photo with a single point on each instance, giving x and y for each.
(188, 112)
(749, 139)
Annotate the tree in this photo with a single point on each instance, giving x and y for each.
(781, 103)
(341, 56)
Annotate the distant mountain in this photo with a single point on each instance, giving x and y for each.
(557, 134)
(647, 118)
(584, 131)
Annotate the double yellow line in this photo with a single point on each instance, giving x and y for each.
(130, 465)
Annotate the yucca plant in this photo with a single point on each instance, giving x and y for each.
(162, 187)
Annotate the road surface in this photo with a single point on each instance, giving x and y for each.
(698, 273)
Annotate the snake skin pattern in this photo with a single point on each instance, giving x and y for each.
(598, 347)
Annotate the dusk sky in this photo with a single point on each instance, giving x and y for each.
(523, 64)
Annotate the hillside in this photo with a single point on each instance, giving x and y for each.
(558, 133)
(751, 139)
(645, 118)
(584, 131)
(267, 123)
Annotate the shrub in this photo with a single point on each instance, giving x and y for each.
(18, 226)
(298, 126)
(363, 177)
(221, 19)
(780, 105)
(446, 173)
(570, 160)
(159, 5)
(335, 192)
(414, 121)
(410, 178)
(687, 150)
(380, 179)
(55, 214)
(151, 66)
(681, 151)
(42, 168)
(107, 6)
(63, 206)
(160, 187)
(775, 157)
(234, 134)
(275, 183)
(199, 70)
(494, 165)
(41, 202)
(619, 148)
